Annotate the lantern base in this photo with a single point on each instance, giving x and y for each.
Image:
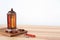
(11, 33)
(12, 30)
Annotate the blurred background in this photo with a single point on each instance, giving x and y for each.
(32, 12)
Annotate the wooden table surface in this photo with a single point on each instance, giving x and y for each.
(42, 32)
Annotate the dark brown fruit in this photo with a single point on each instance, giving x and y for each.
(21, 29)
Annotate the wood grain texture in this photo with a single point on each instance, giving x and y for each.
(4, 32)
(42, 32)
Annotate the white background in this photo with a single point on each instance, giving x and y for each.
(32, 12)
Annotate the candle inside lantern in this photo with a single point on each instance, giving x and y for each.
(11, 19)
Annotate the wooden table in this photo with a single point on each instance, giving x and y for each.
(42, 32)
